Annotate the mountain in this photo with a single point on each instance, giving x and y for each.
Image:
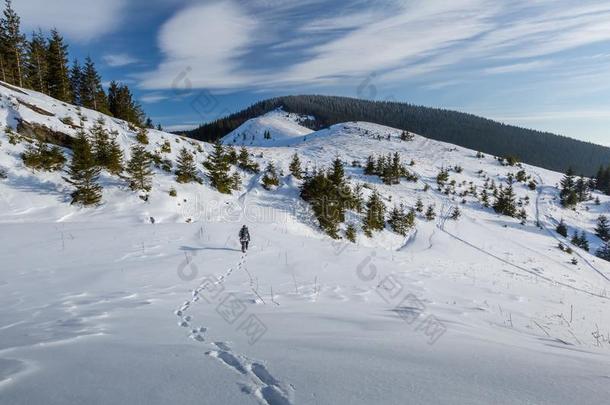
(102, 303)
(543, 149)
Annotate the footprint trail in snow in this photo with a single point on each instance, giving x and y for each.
(265, 387)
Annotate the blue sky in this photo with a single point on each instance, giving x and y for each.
(542, 64)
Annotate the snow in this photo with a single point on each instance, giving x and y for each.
(98, 305)
(283, 127)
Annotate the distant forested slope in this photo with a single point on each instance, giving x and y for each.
(538, 148)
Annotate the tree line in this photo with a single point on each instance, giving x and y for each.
(41, 63)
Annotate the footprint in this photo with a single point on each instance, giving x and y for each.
(229, 360)
(272, 396)
(262, 374)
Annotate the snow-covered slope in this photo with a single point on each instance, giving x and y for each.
(281, 127)
(98, 305)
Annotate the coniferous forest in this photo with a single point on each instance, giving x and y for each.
(41, 62)
(543, 149)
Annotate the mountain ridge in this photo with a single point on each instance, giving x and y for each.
(544, 149)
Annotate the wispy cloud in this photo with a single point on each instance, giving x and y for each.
(119, 59)
(79, 20)
(202, 45)
(278, 43)
(519, 67)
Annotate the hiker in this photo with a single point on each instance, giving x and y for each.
(244, 238)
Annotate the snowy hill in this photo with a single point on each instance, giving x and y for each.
(99, 305)
(281, 128)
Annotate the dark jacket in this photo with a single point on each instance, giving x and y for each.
(244, 235)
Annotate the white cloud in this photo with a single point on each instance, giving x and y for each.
(202, 46)
(518, 67)
(212, 45)
(78, 20)
(153, 98)
(119, 59)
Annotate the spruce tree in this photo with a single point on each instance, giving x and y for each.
(319, 191)
(337, 172)
(108, 154)
(83, 173)
(36, 63)
(419, 206)
(369, 169)
(505, 202)
(401, 221)
(218, 170)
(245, 163)
(374, 219)
(604, 251)
(295, 167)
(562, 229)
(12, 45)
(430, 213)
(602, 230)
(57, 62)
(350, 233)
(91, 92)
(455, 213)
(270, 178)
(569, 197)
(76, 78)
(114, 163)
(122, 105)
(43, 157)
(139, 169)
(186, 169)
(142, 136)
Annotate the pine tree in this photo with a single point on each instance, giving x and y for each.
(569, 197)
(602, 229)
(235, 181)
(36, 63)
(121, 104)
(76, 78)
(604, 251)
(114, 164)
(562, 229)
(84, 173)
(218, 170)
(12, 46)
(92, 94)
(485, 198)
(139, 169)
(142, 136)
(419, 206)
(57, 62)
(375, 215)
(245, 163)
(522, 216)
(186, 171)
(455, 213)
(584, 243)
(43, 157)
(505, 202)
(430, 213)
(231, 155)
(400, 220)
(442, 177)
(369, 169)
(295, 167)
(270, 178)
(337, 172)
(319, 191)
(350, 233)
(107, 152)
